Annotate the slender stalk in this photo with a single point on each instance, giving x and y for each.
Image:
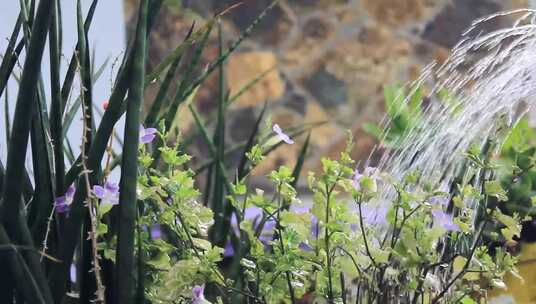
(20, 271)
(93, 221)
(362, 227)
(462, 272)
(10, 208)
(125, 280)
(331, 297)
(25, 107)
(56, 110)
(282, 246)
(10, 55)
(219, 233)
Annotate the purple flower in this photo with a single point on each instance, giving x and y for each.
(228, 251)
(371, 172)
(439, 200)
(109, 194)
(315, 225)
(374, 215)
(198, 295)
(147, 135)
(305, 247)
(63, 203)
(253, 214)
(444, 220)
(72, 273)
(156, 232)
(282, 136)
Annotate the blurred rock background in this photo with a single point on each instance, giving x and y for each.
(331, 59)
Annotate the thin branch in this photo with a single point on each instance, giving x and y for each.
(100, 293)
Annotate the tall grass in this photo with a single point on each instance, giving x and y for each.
(41, 245)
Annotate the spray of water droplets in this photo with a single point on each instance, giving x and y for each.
(491, 82)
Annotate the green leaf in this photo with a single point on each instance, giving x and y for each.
(129, 163)
(299, 163)
(102, 229)
(104, 208)
(10, 55)
(467, 300)
(513, 226)
(299, 222)
(368, 184)
(252, 152)
(10, 207)
(161, 261)
(248, 263)
(494, 188)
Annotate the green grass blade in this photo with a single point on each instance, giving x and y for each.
(42, 204)
(75, 107)
(87, 283)
(208, 163)
(242, 166)
(70, 116)
(10, 55)
(31, 12)
(156, 106)
(179, 95)
(8, 64)
(194, 63)
(142, 257)
(86, 277)
(301, 160)
(7, 123)
(71, 70)
(22, 274)
(208, 183)
(2, 172)
(56, 111)
(245, 34)
(69, 151)
(154, 9)
(84, 62)
(158, 102)
(178, 51)
(27, 19)
(25, 107)
(126, 284)
(10, 209)
(211, 148)
(218, 195)
(248, 86)
(78, 212)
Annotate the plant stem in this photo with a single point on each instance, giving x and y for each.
(125, 277)
(328, 257)
(476, 241)
(364, 236)
(92, 216)
(287, 273)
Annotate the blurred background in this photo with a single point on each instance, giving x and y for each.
(330, 60)
(327, 60)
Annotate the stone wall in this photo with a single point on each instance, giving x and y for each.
(331, 59)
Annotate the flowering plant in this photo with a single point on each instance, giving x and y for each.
(346, 244)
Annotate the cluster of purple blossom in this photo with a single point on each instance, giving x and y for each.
(376, 213)
(373, 213)
(109, 192)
